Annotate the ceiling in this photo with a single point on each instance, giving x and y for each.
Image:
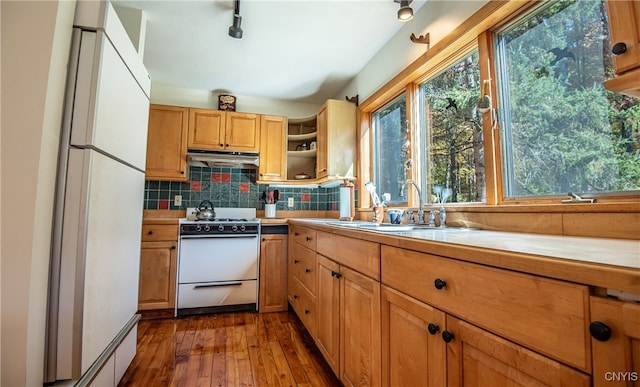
(302, 50)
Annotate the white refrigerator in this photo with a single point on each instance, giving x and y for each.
(93, 292)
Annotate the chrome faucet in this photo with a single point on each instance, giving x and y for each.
(443, 217)
(420, 210)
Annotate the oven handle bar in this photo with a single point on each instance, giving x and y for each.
(217, 284)
(219, 236)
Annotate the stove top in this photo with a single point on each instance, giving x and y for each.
(227, 221)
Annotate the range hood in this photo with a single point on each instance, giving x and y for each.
(202, 158)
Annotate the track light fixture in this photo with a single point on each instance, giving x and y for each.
(235, 31)
(405, 13)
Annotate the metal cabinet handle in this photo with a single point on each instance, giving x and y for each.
(439, 283)
(296, 261)
(447, 336)
(295, 296)
(307, 270)
(619, 48)
(433, 328)
(600, 331)
(150, 232)
(307, 311)
(308, 239)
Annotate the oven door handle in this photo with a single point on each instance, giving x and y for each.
(214, 236)
(217, 284)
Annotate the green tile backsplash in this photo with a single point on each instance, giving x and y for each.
(232, 187)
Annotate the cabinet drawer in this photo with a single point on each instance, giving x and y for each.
(305, 236)
(362, 256)
(304, 303)
(159, 232)
(546, 315)
(302, 265)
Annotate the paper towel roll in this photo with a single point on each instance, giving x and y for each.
(346, 201)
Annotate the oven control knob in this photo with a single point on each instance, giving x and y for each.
(207, 228)
(234, 228)
(198, 228)
(221, 228)
(243, 227)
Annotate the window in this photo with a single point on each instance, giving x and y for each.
(451, 134)
(561, 130)
(391, 148)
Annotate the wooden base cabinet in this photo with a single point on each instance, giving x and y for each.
(158, 266)
(273, 273)
(348, 331)
(360, 361)
(615, 340)
(476, 357)
(413, 351)
(328, 302)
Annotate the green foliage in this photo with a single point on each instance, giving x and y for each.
(559, 135)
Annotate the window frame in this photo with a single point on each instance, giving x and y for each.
(475, 32)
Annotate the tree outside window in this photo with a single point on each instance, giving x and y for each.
(562, 131)
(451, 131)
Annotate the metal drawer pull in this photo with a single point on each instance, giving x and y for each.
(433, 328)
(447, 336)
(600, 331)
(439, 283)
(217, 285)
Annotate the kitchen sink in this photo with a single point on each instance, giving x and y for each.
(388, 227)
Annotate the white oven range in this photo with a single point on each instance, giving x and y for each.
(218, 262)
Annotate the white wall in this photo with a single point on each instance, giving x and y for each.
(33, 76)
(168, 95)
(438, 18)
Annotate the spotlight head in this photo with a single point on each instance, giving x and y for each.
(235, 31)
(405, 13)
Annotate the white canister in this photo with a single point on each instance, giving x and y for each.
(269, 210)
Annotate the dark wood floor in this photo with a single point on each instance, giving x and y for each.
(232, 349)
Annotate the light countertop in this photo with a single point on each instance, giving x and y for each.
(605, 262)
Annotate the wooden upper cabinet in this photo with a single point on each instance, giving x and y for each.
(206, 129)
(242, 132)
(336, 154)
(615, 340)
(322, 168)
(273, 148)
(167, 143)
(624, 29)
(220, 130)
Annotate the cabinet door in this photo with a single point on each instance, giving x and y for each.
(273, 273)
(360, 357)
(157, 287)
(340, 134)
(616, 356)
(167, 143)
(624, 27)
(206, 129)
(478, 358)
(413, 353)
(273, 148)
(242, 132)
(328, 305)
(322, 145)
